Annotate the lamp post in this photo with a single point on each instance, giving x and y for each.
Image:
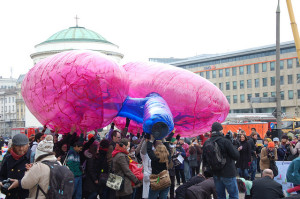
(278, 95)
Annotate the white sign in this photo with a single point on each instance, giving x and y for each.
(281, 178)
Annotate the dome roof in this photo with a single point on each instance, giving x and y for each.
(76, 34)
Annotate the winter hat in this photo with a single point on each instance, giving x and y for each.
(271, 145)
(216, 127)
(90, 136)
(20, 140)
(44, 147)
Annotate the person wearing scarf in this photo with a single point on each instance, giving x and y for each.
(14, 165)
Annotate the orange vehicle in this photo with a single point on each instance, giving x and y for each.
(261, 127)
(28, 131)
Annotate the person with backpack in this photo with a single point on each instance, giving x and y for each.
(219, 155)
(38, 178)
(73, 162)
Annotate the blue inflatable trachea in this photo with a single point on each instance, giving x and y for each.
(153, 112)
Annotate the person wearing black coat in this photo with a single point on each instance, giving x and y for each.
(226, 177)
(254, 155)
(266, 187)
(244, 161)
(14, 165)
(181, 190)
(202, 190)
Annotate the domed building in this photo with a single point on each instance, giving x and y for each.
(75, 38)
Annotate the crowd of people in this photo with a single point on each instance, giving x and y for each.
(125, 166)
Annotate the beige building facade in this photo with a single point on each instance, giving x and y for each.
(247, 77)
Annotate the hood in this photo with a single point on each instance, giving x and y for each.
(119, 149)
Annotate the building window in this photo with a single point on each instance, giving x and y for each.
(272, 81)
(298, 78)
(13, 108)
(298, 91)
(265, 83)
(221, 86)
(9, 109)
(214, 74)
(272, 66)
(5, 109)
(264, 67)
(291, 94)
(207, 75)
(228, 98)
(256, 94)
(227, 72)
(234, 85)
(281, 80)
(227, 85)
(281, 64)
(241, 70)
(235, 99)
(202, 74)
(265, 94)
(13, 99)
(249, 83)
(282, 95)
(256, 83)
(273, 94)
(242, 84)
(249, 96)
(256, 68)
(221, 73)
(290, 79)
(234, 71)
(242, 98)
(297, 63)
(249, 69)
(8, 99)
(5, 100)
(289, 63)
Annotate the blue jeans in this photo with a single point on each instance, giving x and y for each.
(230, 184)
(77, 192)
(187, 172)
(252, 169)
(243, 173)
(163, 194)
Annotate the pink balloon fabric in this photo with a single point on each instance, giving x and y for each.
(195, 102)
(81, 88)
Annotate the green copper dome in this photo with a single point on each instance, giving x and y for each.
(76, 34)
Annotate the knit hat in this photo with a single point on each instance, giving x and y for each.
(271, 145)
(44, 147)
(90, 136)
(20, 140)
(216, 127)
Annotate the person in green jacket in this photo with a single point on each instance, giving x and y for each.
(293, 173)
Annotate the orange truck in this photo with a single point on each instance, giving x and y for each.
(261, 127)
(27, 131)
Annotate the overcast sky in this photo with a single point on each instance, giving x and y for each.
(142, 29)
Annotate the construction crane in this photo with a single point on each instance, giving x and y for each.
(294, 27)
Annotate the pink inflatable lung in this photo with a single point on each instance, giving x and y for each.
(195, 102)
(82, 88)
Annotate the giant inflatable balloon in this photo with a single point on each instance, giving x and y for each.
(88, 90)
(195, 102)
(81, 88)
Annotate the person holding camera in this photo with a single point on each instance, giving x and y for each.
(268, 154)
(14, 166)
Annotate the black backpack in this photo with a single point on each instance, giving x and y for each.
(61, 182)
(216, 161)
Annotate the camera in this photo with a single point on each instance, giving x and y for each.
(6, 184)
(271, 154)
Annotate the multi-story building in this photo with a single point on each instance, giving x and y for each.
(250, 73)
(7, 83)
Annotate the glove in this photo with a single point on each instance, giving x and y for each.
(127, 122)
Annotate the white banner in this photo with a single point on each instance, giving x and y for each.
(281, 178)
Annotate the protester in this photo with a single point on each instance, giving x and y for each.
(147, 168)
(37, 139)
(160, 158)
(39, 173)
(283, 150)
(73, 162)
(14, 165)
(186, 165)
(171, 168)
(295, 148)
(244, 186)
(224, 178)
(181, 190)
(253, 165)
(276, 142)
(121, 168)
(244, 161)
(195, 157)
(236, 138)
(266, 187)
(293, 173)
(268, 154)
(179, 169)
